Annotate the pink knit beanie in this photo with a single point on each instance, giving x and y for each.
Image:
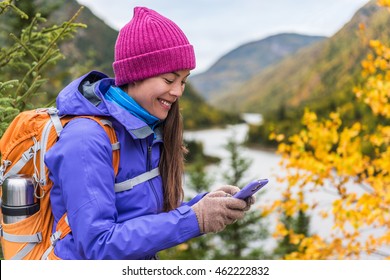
(150, 45)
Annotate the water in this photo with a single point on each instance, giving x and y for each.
(265, 164)
(252, 118)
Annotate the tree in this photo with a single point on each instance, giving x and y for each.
(289, 227)
(198, 181)
(28, 58)
(352, 162)
(241, 240)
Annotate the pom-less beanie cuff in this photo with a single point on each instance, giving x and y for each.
(150, 45)
(153, 64)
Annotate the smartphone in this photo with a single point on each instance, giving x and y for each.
(251, 188)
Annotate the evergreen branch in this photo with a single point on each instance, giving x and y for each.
(30, 27)
(7, 85)
(33, 87)
(23, 45)
(7, 55)
(55, 27)
(7, 4)
(51, 28)
(46, 54)
(67, 25)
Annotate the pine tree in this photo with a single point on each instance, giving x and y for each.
(198, 182)
(241, 240)
(27, 58)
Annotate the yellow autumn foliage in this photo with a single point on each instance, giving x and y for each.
(385, 3)
(329, 155)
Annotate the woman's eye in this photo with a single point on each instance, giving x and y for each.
(168, 81)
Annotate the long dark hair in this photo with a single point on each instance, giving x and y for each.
(172, 158)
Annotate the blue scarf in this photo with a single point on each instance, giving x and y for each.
(121, 98)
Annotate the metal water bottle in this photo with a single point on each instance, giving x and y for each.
(18, 199)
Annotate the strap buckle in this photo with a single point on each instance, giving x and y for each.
(27, 155)
(39, 237)
(52, 111)
(3, 167)
(55, 237)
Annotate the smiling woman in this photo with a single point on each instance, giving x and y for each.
(157, 94)
(136, 210)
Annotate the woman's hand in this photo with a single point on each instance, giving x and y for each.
(217, 210)
(232, 190)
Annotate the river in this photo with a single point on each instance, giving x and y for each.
(265, 164)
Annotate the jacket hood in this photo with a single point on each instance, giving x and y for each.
(80, 97)
(85, 97)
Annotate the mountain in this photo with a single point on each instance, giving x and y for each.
(197, 113)
(92, 48)
(320, 76)
(242, 63)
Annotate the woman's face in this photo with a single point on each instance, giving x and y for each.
(157, 94)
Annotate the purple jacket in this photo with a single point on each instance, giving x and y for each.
(105, 224)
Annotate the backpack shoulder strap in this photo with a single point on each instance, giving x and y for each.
(63, 228)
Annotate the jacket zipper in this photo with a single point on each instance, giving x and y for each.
(149, 167)
(149, 161)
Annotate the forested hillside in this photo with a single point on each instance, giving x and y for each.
(92, 48)
(246, 61)
(321, 77)
(323, 72)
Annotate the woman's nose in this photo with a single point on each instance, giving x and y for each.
(177, 90)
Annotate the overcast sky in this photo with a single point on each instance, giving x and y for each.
(215, 27)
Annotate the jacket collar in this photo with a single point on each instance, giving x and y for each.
(85, 96)
(135, 126)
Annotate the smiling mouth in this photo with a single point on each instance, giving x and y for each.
(165, 103)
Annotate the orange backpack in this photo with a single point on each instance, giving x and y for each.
(23, 147)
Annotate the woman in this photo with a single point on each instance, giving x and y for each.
(153, 59)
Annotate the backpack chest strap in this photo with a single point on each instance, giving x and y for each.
(31, 240)
(129, 184)
(62, 229)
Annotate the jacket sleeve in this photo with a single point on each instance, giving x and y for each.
(81, 163)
